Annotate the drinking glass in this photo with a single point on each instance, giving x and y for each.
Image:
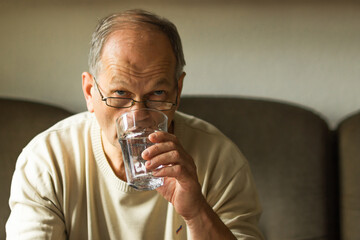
(133, 130)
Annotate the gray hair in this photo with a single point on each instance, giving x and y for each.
(136, 17)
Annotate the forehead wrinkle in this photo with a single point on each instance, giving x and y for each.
(131, 71)
(129, 84)
(126, 83)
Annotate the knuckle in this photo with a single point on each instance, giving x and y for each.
(172, 145)
(155, 148)
(175, 154)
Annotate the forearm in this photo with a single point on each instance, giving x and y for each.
(208, 225)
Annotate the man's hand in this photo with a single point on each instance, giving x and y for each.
(181, 186)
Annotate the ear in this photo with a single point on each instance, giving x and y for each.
(87, 86)
(180, 86)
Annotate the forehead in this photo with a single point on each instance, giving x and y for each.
(138, 57)
(139, 48)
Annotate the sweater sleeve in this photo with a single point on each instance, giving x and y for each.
(230, 189)
(35, 207)
(238, 206)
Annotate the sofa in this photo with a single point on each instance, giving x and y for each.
(306, 174)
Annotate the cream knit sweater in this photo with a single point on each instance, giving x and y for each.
(64, 188)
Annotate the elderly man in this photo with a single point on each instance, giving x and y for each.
(70, 181)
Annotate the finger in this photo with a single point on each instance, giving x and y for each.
(180, 173)
(160, 136)
(168, 158)
(168, 171)
(157, 149)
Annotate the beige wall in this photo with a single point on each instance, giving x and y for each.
(302, 52)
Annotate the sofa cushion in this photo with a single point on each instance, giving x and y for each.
(287, 147)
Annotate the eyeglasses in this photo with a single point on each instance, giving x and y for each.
(119, 102)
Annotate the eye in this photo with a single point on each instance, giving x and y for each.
(121, 93)
(159, 93)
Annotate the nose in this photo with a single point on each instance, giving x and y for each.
(142, 118)
(141, 115)
(138, 105)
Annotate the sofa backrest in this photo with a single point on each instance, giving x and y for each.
(289, 149)
(349, 155)
(20, 121)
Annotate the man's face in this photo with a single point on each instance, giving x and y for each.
(134, 64)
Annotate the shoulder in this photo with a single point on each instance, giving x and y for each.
(203, 140)
(68, 128)
(60, 143)
(77, 121)
(57, 150)
(194, 125)
(53, 161)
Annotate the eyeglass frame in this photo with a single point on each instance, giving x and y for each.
(133, 101)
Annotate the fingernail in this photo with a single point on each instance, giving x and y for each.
(145, 153)
(154, 135)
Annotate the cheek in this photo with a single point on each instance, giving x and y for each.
(109, 122)
(103, 118)
(106, 117)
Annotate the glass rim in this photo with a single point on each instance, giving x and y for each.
(142, 109)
